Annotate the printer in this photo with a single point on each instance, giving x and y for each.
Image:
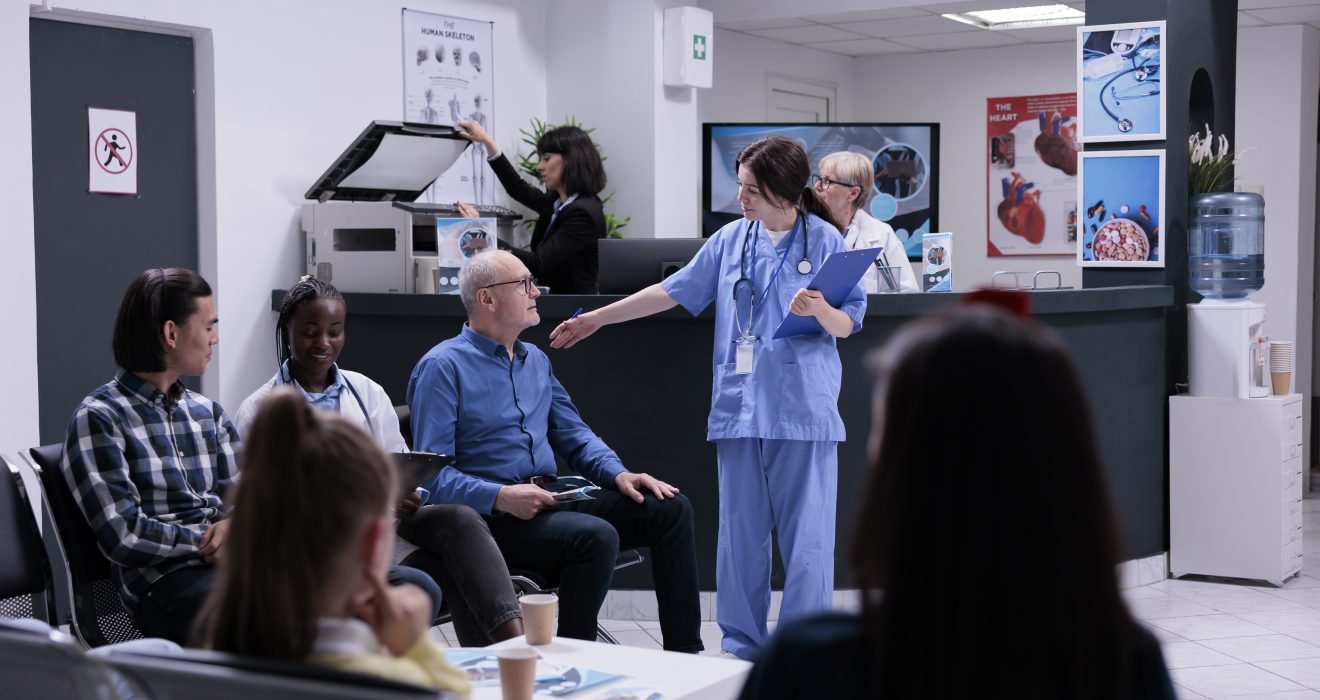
(363, 229)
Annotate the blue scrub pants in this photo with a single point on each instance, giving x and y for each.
(792, 486)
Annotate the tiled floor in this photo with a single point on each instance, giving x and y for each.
(1220, 639)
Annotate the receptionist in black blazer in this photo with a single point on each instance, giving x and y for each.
(563, 252)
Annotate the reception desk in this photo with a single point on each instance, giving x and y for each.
(644, 387)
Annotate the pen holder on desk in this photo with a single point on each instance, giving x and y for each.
(888, 279)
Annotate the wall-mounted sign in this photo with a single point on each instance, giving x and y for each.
(112, 151)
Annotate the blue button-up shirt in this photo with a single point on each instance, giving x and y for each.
(327, 400)
(502, 419)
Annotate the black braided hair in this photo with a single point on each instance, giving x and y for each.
(308, 289)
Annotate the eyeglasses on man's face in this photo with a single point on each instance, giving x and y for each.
(821, 183)
(526, 282)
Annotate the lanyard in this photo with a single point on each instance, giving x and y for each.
(753, 236)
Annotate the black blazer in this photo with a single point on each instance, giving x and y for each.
(563, 258)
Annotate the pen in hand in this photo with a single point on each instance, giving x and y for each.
(570, 318)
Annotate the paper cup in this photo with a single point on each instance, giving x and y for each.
(517, 672)
(538, 613)
(1280, 380)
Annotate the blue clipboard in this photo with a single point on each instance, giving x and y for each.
(836, 280)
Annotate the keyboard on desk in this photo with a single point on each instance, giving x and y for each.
(485, 210)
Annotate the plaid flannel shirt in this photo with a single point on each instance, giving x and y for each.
(148, 470)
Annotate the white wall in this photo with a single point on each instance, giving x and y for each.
(951, 88)
(744, 63)
(295, 81)
(18, 313)
(1276, 126)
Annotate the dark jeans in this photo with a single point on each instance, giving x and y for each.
(580, 542)
(172, 603)
(458, 552)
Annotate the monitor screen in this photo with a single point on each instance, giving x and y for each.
(632, 264)
(906, 159)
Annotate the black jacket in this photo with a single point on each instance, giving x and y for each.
(563, 258)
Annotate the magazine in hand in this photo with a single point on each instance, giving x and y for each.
(571, 488)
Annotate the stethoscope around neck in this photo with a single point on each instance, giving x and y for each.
(744, 284)
(286, 377)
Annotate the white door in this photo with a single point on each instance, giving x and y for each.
(790, 100)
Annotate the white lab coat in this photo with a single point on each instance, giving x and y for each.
(866, 231)
(380, 419)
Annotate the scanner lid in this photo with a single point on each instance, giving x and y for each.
(390, 161)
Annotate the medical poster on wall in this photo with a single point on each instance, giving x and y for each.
(1122, 219)
(1032, 175)
(1119, 75)
(448, 76)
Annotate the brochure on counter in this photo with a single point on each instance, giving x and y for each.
(552, 680)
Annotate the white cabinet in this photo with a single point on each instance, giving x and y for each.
(1235, 487)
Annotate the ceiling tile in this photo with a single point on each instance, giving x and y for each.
(750, 25)
(1265, 4)
(863, 47)
(961, 40)
(1246, 19)
(974, 5)
(808, 34)
(868, 15)
(912, 26)
(1044, 35)
(1289, 15)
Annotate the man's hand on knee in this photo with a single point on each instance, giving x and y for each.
(524, 501)
(632, 485)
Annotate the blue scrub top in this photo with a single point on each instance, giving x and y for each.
(792, 392)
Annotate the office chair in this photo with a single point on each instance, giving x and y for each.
(98, 617)
(25, 579)
(197, 674)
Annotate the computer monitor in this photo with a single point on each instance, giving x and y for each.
(630, 265)
(906, 158)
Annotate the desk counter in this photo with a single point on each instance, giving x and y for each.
(644, 387)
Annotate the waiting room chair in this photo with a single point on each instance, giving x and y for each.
(197, 674)
(49, 665)
(98, 616)
(25, 578)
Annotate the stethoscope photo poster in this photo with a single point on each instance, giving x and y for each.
(1119, 82)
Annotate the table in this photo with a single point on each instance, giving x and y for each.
(674, 674)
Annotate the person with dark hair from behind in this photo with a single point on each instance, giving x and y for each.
(450, 542)
(563, 252)
(148, 460)
(984, 461)
(304, 576)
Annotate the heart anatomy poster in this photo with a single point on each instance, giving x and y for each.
(1031, 175)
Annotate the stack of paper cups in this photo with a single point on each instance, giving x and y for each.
(1281, 365)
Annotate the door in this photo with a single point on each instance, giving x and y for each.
(90, 246)
(796, 101)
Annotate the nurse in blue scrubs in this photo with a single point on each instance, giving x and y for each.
(774, 415)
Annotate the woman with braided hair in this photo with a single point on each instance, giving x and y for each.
(448, 541)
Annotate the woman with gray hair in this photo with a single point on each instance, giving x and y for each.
(845, 182)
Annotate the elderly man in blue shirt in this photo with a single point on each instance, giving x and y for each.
(493, 402)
